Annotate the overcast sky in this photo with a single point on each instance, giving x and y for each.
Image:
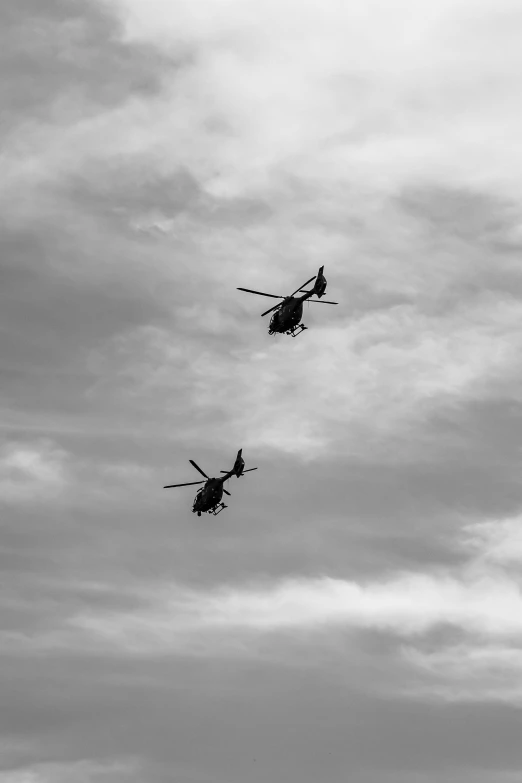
(355, 615)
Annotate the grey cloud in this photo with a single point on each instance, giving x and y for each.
(471, 216)
(474, 225)
(63, 56)
(125, 344)
(242, 731)
(142, 202)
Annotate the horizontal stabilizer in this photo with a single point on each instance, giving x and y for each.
(245, 471)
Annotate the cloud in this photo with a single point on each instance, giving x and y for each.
(155, 155)
(497, 542)
(476, 602)
(463, 662)
(32, 472)
(318, 95)
(323, 92)
(175, 619)
(189, 158)
(43, 471)
(78, 772)
(405, 605)
(372, 378)
(473, 671)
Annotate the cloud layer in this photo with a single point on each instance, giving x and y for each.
(355, 611)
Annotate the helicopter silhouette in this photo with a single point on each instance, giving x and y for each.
(288, 313)
(209, 497)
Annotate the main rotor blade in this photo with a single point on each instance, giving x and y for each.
(186, 484)
(260, 293)
(245, 471)
(304, 284)
(321, 301)
(198, 468)
(269, 311)
(227, 492)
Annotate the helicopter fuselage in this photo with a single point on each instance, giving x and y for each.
(288, 316)
(209, 496)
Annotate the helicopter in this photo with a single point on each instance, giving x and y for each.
(288, 313)
(209, 497)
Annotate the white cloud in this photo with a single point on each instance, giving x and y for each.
(483, 665)
(468, 662)
(385, 94)
(30, 472)
(371, 378)
(319, 110)
(406, 605)
(322, 111)
(376, 97)
(498, 541)
(474, 671)
(479, 601)
(42, 471)
(376, 376)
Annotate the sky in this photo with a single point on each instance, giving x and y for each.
(355, 614)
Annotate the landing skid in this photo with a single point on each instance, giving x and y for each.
(215, 511)
(295, 330)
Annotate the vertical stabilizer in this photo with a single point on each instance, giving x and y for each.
(320, 283)
(239, 464)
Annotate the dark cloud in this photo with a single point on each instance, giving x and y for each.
(245, 723)
(146, 204)
(66, 56)
(472, 226)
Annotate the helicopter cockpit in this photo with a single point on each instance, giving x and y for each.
(274, 323)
